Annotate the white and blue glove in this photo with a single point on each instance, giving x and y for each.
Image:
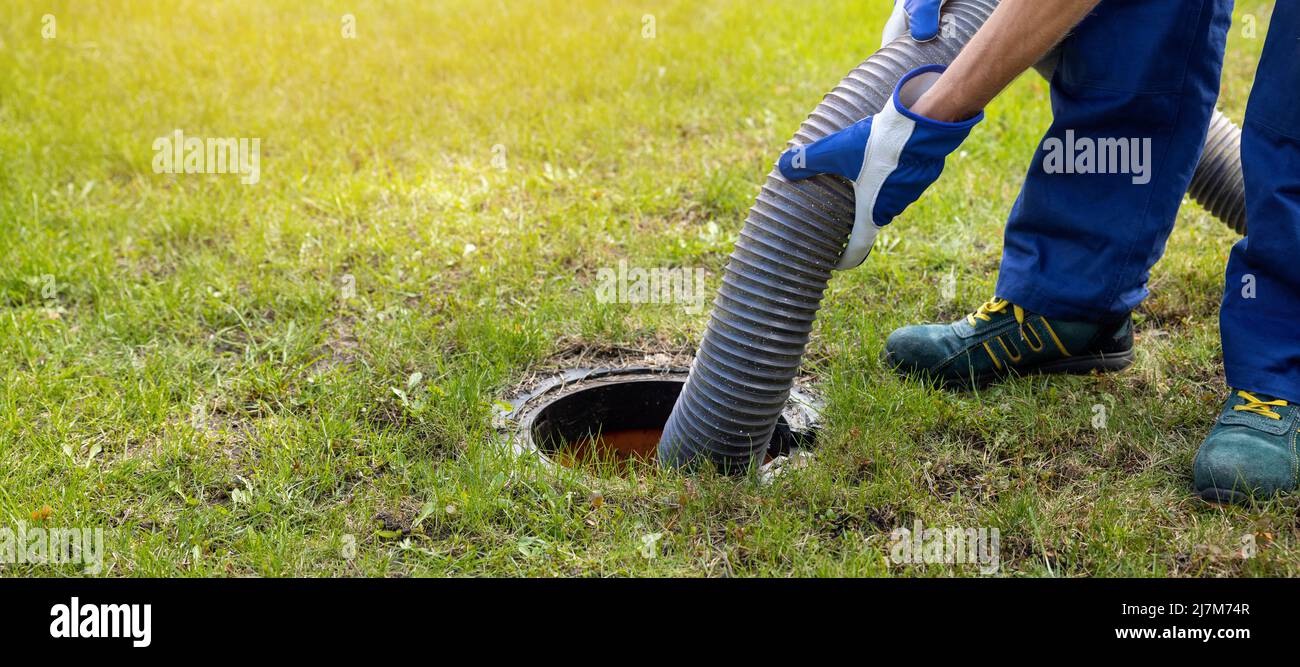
(891, 157)
(919, 16)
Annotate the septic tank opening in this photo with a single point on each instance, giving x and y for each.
(595, 418)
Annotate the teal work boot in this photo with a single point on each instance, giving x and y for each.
(1001, 339)
(1251, 451)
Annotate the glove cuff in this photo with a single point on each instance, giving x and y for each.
(912, 86)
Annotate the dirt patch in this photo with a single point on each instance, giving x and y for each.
(872, 520)
(226, 433)
(576, 353)
(652, 353)
(340, 346)
(1173, 305)
(956, 435)
(945, 479)
(579, 353)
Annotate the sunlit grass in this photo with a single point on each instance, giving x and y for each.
(185, 362)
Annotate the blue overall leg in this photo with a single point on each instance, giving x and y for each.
(1080, 246)
(1260, 318)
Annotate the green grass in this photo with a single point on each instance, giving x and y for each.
(181, 368)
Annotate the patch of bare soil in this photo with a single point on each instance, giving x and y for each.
(578, 354)
(340, 346)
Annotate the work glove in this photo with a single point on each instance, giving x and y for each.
(891, 157)
(920, 16)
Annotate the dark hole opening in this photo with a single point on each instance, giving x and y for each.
(620, 422)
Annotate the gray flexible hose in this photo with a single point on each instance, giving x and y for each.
(774, 280)
(1218, 185)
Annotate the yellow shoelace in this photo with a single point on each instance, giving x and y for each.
(1253, 404)
(996, 305)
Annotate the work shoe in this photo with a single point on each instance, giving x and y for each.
(1001, 339)
(1251, 452)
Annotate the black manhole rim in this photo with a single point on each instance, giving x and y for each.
(796, 427)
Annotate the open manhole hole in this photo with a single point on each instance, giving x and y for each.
(611, 419)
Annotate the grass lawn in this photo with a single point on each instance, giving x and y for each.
(207, 369)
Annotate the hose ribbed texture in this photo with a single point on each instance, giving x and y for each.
(777, 274)
(1218, 185)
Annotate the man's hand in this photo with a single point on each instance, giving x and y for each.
(920, 16)
(891, 157)
(1017, 35)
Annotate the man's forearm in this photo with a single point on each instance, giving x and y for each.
(1017, 35)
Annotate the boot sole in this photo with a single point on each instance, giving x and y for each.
(1101, 362)
(1224, 496)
